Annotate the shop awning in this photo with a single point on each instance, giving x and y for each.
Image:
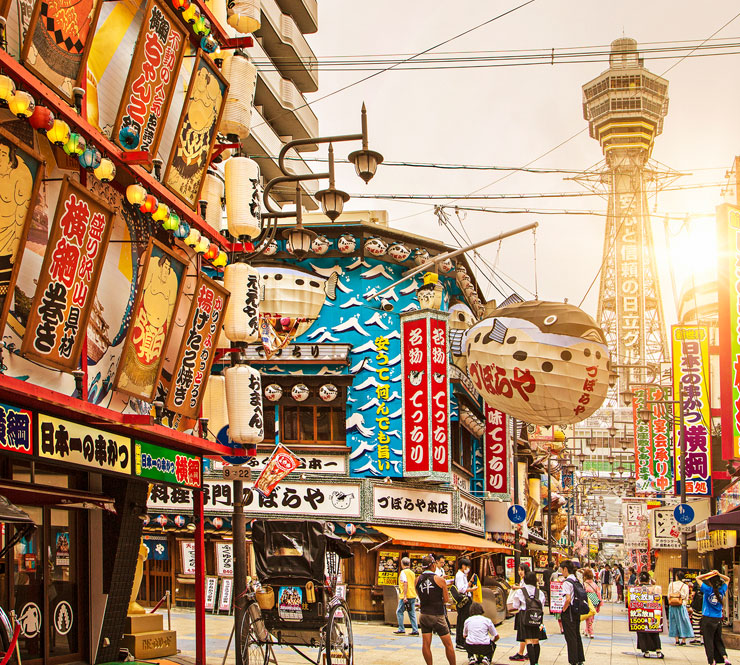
(725, 521)
(35, 495)
(445, 540)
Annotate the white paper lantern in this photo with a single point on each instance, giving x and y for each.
(328, 392)
(544, 363)
(243, 197)
(244, 404)
(242, 77)
(375, 247)
(213, 193)
(300, 392)
(271, 249)
(273, 392)
(244, 15)
(399, 252)
(241, 322)
(214, 405)
(346, 244)
(320, 245)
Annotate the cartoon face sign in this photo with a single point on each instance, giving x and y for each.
(271, 249)
(421, 256)
(320, 245)
(375, 247)
(328, 392)
(346, 244)
(273, 392)
(341, 500)
(300, 392)
(399, 252)
(446, 266)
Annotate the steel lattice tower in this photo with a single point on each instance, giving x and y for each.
(625, 107)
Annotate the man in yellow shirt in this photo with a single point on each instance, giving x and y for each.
(406, 598)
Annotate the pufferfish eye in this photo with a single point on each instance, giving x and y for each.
(549, 320)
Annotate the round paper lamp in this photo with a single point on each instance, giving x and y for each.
(213, 193)
(181, 5)
(42, 119)
(242, 197)
(7, 88)
(242, 77)
(21, 104)
(241, 321)
(193, 238)
(106, 170)
(244, 15)
(244, 404)
(91, 158)
(202, 26)
(149, 204)
(76, 144)
(128, 136)
(221, 260)
(201, 247)
(209, 43)
(59, 133)
(191, 14)
(135, 194)
(212, 253)
(162, 214)
(171, 222)
(214, 405)
(183, 231)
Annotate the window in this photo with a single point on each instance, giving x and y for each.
(313, 424)
(269, 415)
(461, 446)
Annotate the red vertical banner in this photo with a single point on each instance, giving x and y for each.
(440, 397)
(496, 453)
(415, 369)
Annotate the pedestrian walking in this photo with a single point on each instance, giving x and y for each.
(480, 636)
(546, 577)
(647, 642)
(632, 577)
(433, 596)
(406, 598)
(529, 602)
(594, 595)
(574, 606)
(679, 624)
(714, 588)
(618, 582)
(695, 608)
(439, 571)
(464, 591)
(523, 570)
(605, 578)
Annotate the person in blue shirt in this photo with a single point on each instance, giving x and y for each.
(714, 588)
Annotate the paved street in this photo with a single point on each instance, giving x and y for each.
(376, 645)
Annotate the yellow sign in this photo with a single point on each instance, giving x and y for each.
(70, 442)
(717, 540)
(388, 568)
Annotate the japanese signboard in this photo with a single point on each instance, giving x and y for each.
(644, 610)
(280, 464)
(211, 588)
(69, 276)
(165, 465)
(151, 80)
(227, 590)
(471, 515)
(729, 499)
(691, 385)
(728, 267)
(722, 539)
(197, 349)
(224, 559)
(22, 172)
(653, 455)
(307, 463)
(16, 435)
(65, 441)
(388, 568)
(382, 412)
(635, 524)
(151, 323)
(396, 504)
(664, 529)
(496, 454)
(197, 128)
(426, 426)
(187, 555)
(557, 597)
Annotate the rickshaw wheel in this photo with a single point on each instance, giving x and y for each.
(339, 641)
(254, 652)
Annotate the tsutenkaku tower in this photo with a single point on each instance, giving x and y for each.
(625, 107)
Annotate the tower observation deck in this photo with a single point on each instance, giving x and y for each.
(625, 107)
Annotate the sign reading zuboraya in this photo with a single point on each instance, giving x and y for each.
(194, 360)
(66, 288)
(151, 80)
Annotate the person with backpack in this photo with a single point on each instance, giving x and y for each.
(679, 624)
(530, 602)
(462, 595)
(695, 608)
(714, 587)
(594, 595)
(519, 655)
(648, 641)
(575, 605)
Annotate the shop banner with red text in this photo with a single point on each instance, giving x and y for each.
(653, 447)
(496, 455)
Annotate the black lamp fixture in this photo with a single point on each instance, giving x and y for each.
(332, 200)
(77, 95)
(366, 161)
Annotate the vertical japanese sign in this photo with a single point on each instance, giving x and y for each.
(728, 284)
(653, 457)
(197, 349)
(16, 433)
(151, 79)
(66, 287)
(382, 412)
(426, 398)
(496, 454)
(151, 323)
(690, 345)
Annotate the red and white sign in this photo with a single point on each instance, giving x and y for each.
(440, 394)
(496, 457)
(281, 463)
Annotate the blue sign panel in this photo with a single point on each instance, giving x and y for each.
(684, 513)
(517, 514)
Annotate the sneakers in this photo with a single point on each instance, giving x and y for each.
(416, 632)
(472, 660)
(399, 632)
(485, 661)
(518, 656)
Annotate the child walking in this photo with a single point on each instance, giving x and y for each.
(480, 636)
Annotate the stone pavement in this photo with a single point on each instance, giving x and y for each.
(376, 645)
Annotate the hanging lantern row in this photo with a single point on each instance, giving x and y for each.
(148, 204)
(469, 291)
(300, 392)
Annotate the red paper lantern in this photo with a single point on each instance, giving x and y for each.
(181, 5)
(149, 205)
(211, 252)
(41, 119)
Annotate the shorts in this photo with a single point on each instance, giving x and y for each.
(434, 623)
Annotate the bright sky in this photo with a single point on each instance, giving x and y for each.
(509, 116)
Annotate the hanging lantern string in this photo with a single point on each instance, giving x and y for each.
(534, 251)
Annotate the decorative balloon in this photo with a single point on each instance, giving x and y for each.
(346, 244)
(328, 392)
(273, 392)
(244, 404)
(218, 522)
(300, 392)
(271, 249)
(375, 247)
(350, 529)
(399, 252)
(320, 245)
(544, 363)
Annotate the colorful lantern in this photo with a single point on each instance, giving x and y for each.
(218, 522)
(242, 197)
(273, 392)
(544, 363)
(328, 392)
(59, 133)
(7, 88)
(201, 247)
(300, 392)
(162, 520)
(221, 260)
(244, 15)
(135, 194)
(346, 244)
(91, 158)
(209, 43)
(350, 529)
(271, 249)
(241, 321)
(191, 14)
(162, 214)
(237, 114)
(21, 104)
(213, 193)
(244, 404)
(179, 521)
(181, 5)
(171, 222)
(193, 238)
(149, 204)
(320, 245)
(214, 405)
(202, 26)
(399, 252)
(128, 135)
(375, 247)
(212, 253)
(76, 144)
(105, 170)
(183, 231)
(42, 119)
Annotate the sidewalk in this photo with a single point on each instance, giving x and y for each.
(376, 645)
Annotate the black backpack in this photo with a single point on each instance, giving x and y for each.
(533, 613)
(579, 605)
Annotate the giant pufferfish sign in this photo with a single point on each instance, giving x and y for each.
(545, 363)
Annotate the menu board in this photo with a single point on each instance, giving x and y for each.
(645, 610)
(388, 568)
(557, 598)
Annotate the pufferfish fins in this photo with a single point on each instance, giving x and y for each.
(497, 333)
(513, 299)
(330, 288)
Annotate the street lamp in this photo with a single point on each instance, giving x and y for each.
(298, 238)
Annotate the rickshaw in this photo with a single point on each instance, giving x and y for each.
(298, 604)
